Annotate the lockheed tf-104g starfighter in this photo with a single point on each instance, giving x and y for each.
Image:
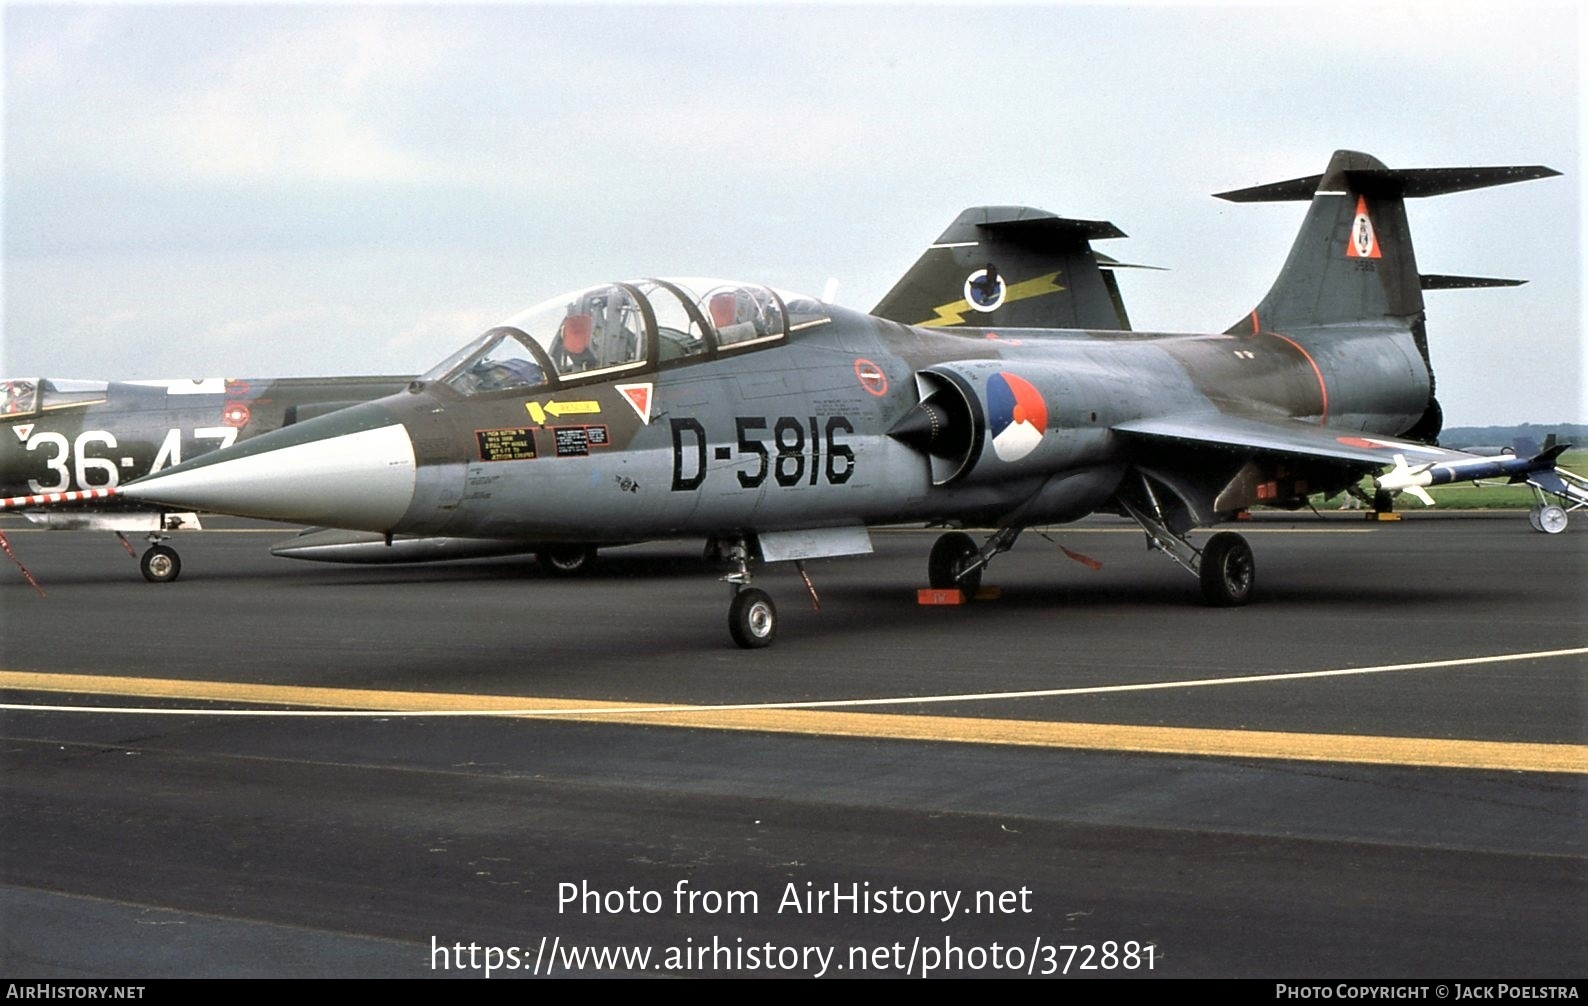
(781, 428)
(64, 442)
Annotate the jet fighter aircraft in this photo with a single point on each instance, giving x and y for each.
(781, 428)
(64, 439)
(74, 439)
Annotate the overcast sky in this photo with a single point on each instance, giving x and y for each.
(200, 190)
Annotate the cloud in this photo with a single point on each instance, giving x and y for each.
(272, 97)
(394, 168)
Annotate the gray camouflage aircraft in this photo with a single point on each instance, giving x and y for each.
(71, 437)
(781, 428)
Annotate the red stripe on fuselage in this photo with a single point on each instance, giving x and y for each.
(1322, 388)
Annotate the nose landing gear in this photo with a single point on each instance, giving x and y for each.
(160, 563)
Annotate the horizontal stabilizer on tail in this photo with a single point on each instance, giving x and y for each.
(1393, 183)
(1025, 225)
(1108, 262)
(1431, 281)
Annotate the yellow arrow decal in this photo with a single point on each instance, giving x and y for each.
(539, 412)
(560, 409)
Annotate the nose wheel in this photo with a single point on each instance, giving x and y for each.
(752, 618)
(160, 564)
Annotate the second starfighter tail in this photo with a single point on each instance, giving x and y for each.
(1353, 260)
(1352, 263)
(1014, 267)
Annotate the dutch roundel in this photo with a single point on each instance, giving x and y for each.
(1016, 415)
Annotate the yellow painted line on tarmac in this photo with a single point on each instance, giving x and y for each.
(775, 718)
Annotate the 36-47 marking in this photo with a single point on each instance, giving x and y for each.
(71, 463)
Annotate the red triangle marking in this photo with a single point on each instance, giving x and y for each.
(1363, 240)
(639, 397)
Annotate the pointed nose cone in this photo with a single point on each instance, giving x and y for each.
(352, 469)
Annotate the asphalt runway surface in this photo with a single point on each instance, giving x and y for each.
(1379, 768)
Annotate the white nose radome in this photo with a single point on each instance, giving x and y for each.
(362, 480)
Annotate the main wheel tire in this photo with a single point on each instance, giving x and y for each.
(1383, 502)
(567, 560)
(1228, 571)
(752, 618)
(951, 554)
(1533, 517)
(160, 564)
(1552, 520)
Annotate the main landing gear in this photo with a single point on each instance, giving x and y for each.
(1227, 570)
(956, 562)
(1225, 566)
(567, 560)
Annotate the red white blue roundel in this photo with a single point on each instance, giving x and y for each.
(1016, 415)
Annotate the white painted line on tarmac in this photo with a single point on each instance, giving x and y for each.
(310, 695)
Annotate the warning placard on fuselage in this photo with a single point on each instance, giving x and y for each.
(576, 441)
(516, 444)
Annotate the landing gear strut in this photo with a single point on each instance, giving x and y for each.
(1225, 566)
(159, 563)
(752, 617)
(957, 563)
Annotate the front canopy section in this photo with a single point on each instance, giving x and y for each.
(503, 359)
(19, 397)
(605, 331)
(24, 397)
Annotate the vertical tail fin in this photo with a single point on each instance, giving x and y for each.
(1353, 259)
(1012, 266)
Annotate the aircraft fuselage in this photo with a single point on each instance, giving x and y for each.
(806, 436)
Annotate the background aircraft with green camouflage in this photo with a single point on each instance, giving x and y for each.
(60, 438)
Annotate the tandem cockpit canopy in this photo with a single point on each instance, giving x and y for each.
(25, 396)
(602, 331)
